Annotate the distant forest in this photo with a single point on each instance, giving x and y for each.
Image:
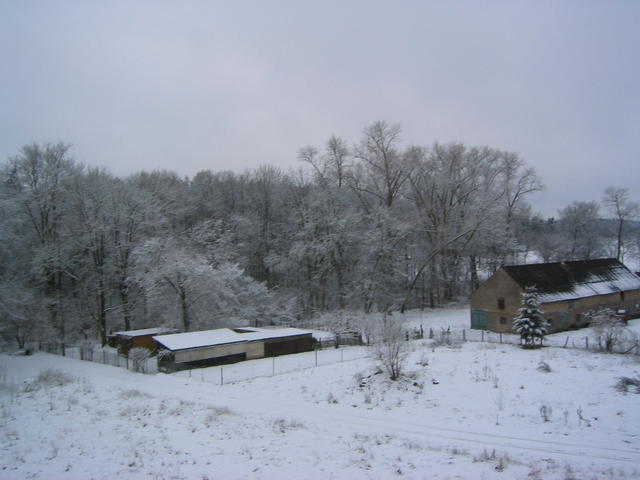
(367, 226)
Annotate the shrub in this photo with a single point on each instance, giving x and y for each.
(51, 377)
(392, 348)
(138, 357)
(625, 383)
(544, 367)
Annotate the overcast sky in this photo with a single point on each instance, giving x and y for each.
(194, 85)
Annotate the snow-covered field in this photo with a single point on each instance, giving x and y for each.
(471, 411)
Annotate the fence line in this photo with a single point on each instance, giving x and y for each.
(93, 353)
(589, 343)
(272, 366)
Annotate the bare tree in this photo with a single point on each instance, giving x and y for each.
(386, 167)
(608, 326)
(391, 347)
(617, 201)
(580, 228)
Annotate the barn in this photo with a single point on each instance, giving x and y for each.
(126, 340)
(566, 291)
(228, 345)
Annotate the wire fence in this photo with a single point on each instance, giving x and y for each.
(96, 354)
(623, 344)
(272, 366)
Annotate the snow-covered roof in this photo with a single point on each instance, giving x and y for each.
(219, 336)
(562, 281)
(144, 331)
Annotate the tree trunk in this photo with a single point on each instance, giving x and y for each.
(184, 308)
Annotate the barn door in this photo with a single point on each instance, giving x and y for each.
(564, 321)
(478, 319)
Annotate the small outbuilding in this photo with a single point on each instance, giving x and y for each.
(126, 340)
(566, 291)
(228, 345)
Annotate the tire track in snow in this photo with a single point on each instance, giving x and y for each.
(359, 422)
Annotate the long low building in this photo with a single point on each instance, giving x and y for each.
(228, 345)
(567, 292)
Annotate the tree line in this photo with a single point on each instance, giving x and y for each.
(374, 225)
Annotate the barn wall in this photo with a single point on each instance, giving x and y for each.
(484, 302)
(571, 314)
(252, 350)
(288, 345)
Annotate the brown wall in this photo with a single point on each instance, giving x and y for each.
(288, 345)
(127, 343)
(573, 312)
(485, 299)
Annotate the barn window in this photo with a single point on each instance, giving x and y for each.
(503, 320)
(578, 317)
(622, 296)
(500, 303)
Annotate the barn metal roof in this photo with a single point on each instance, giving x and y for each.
(556, 282)
(220, 336)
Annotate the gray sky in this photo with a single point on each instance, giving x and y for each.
(194, 85)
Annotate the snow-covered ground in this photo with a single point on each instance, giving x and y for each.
(472, 411)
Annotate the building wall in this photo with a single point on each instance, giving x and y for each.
(127, 343)
(484, 303)
(252, 350)
(288, 345)
(571, 314)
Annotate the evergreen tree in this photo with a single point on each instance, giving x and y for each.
(530, 322)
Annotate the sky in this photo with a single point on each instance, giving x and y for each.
(231, 85)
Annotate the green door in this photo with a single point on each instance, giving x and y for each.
(564, 321)
(478, 319)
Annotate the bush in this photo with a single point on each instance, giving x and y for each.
(392, 348)
(51, 377)
(544, 367)
(139, 357)
(625, 383)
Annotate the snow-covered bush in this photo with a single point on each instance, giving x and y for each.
(609, 328)
(139, 357)
(51, 377)
(392, 348)
(625, 383)
(530, 322)
(544, 367)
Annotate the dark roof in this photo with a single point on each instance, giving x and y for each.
(567, 280)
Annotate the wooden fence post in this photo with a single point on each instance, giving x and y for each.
(221, 377)
(500, 337)
(464, 335)
(482, 338)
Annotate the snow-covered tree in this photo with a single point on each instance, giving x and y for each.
(530, 322)
(391, 348)
(609, 327)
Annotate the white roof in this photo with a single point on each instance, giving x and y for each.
(219, 336)
(144, 331)
(592, 287)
